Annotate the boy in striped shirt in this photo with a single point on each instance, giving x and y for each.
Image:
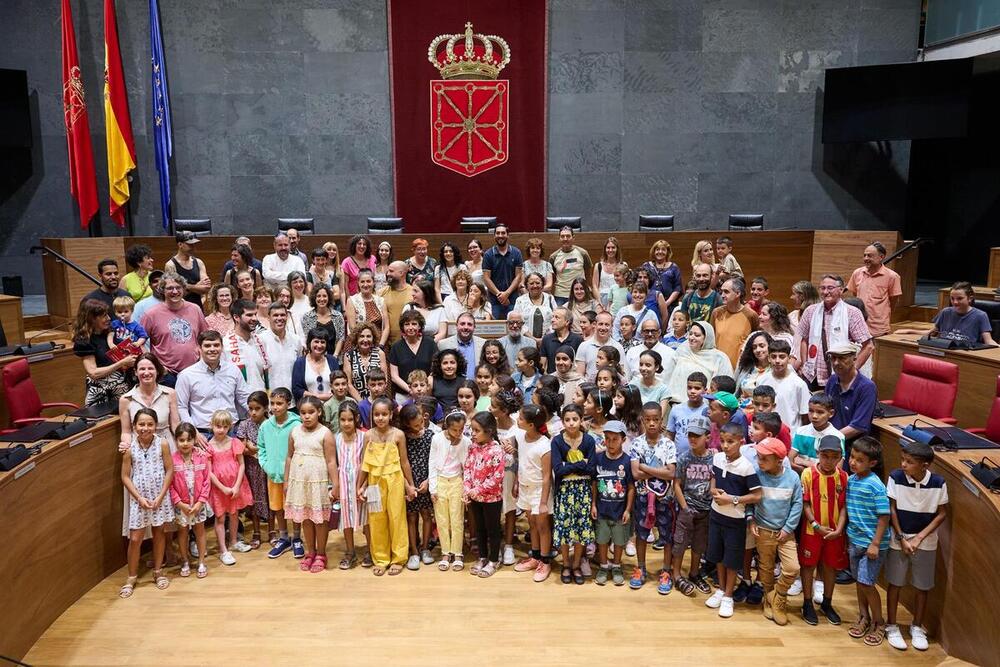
(867, 537)
(917, 498)
(824, 496)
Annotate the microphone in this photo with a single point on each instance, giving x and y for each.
(47, 346)
(913, 432)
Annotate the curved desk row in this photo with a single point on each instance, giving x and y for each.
(962, 608)
(61, 518)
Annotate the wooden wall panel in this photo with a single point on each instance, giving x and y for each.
(70, 287)
(12, 319)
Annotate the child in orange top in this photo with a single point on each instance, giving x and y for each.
(230, 489)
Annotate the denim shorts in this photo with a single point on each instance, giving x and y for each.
(865, 570)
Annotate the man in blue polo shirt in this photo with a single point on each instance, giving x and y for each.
(854, 395)
(503, 269)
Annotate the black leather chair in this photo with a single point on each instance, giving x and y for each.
(656, 223)
(301, 225)
(200, 226)
(385, 225)
(746, 222)
(555, 223)
(478, 224)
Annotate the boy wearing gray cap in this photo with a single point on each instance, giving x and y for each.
(613, 495)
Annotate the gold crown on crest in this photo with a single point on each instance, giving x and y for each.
(486, 64)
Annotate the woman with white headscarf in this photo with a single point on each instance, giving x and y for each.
(697, 354)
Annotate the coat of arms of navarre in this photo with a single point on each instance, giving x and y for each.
(469, 105)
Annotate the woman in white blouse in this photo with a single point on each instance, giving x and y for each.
(425, 300)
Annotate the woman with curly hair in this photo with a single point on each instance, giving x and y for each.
(359, 257)
(139, 258)
(494, 355)
(449, 263)
(752, 364)
(363, 357)
(476, 303)
(220, 302)
(242, 258)
(322, 316)
(447, 375)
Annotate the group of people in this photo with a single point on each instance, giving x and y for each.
(622, 410)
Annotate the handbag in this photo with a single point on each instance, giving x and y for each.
(988, 475)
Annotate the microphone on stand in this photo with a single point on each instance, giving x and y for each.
(29, 349)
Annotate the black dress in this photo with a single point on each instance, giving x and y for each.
(418, 451)
(403, 357)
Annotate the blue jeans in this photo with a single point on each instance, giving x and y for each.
(500, 311)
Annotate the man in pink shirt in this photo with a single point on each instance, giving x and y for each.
(825, 325)
(173, 327)
(878, 288)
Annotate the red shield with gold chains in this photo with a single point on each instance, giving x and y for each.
(469, 124)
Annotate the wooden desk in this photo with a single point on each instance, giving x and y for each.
(58, 375)
(62, 521)
(961, 607)
(12, 319)
(993, 277)
(977, 375)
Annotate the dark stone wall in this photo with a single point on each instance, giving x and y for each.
(281, 108)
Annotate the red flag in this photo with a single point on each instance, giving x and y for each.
(82, 180)
(118, 126)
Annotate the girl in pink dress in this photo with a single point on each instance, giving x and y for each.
(350, 443)
(230, 489)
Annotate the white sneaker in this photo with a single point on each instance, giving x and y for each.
(630, 548)
(508, 555)
(242, 547)
(193, 549)
(918, 637)
(413, 563)
(650, 539)
(777, 570)
(227, 558)
(426, 557)
(818, 591)
(715, 600)
(796, 588)
(726, 608)
(895, 637)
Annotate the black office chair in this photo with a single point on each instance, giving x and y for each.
(992, 310)
(301, 225)
(385, 225)
(200, 226)
(746, 222)
(478, 224)
(555, 223)
(656, 223)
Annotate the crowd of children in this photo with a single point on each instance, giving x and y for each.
(597, 470)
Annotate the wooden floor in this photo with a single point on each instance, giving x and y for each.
(264, 612)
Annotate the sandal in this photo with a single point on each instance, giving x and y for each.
(395, 569)
(876, 634)
(378, 570)
(318, 564)
(443, 565)
(488, 570)
(272, 537)
(202, 571)
(255, 541)
(566, 576)
(458, 564)
(578, 577)
(684, 585)
(348, 561)
(306, 563)
(860, 627)
(161, 581)
(477, 566)
(367, 560)
(185, 569)
(128, 588)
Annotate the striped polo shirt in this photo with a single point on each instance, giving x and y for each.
(866, 502)
(736, 478)
(826, 494)
(916, 504)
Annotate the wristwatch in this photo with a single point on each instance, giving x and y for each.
(736, 500)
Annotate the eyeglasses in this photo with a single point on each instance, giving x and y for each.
(515, 324)
(319, 383)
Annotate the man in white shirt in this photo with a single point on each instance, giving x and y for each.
(209, 385)
(277, 266)
(791, 394)
(586, 354)
(650, 332)
(244, 347)
(282, 347)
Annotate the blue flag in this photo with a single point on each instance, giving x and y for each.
(163, 135)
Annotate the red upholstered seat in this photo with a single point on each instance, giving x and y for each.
(927, 386)
(23, 402)
(992, 429)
